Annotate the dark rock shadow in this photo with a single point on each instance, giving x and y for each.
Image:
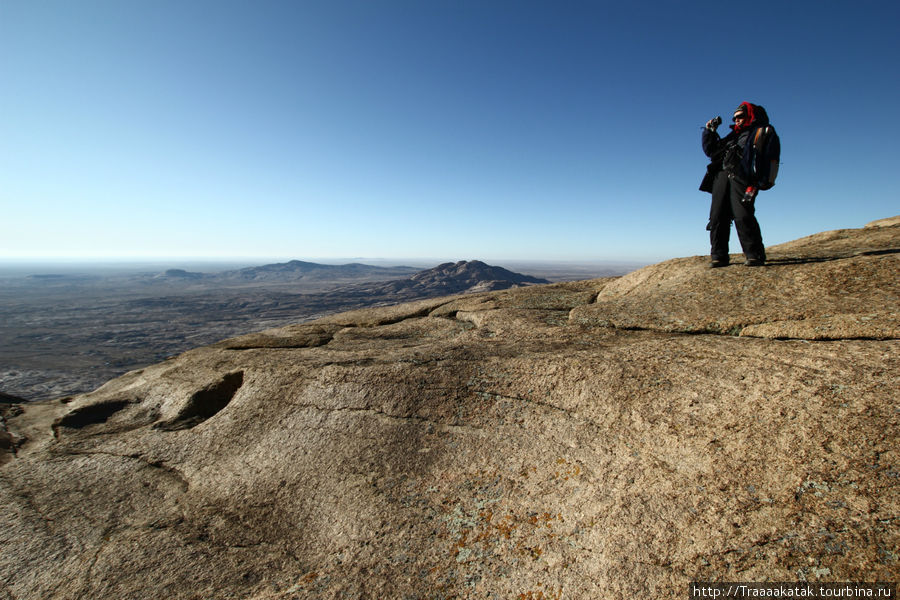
(804, 260)
(92, 414)
(205, 403)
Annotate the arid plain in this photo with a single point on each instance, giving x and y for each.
(68, 330)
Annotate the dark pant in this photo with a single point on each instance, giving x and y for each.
(727, 207)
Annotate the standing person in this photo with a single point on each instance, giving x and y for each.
(734, 179)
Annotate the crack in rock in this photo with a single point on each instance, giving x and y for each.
(88, 573)
(30, 505)
(297, 342)
(776, 261)
(547, 405)
(380, 413)
(747, 330)
(174, 473)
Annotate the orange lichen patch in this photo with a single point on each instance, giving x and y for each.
(540, 595)
(532, 551)
(506, 526)
(486, 515)
(486, 531)
(525, 472)
(571, 471)
(544, 519)
(309, 577)
(459, 544)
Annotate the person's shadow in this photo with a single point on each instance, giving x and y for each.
(801, 260)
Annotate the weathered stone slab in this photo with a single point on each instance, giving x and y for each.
(564, 441)
(833, 285)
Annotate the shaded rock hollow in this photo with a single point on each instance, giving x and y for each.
(600, 439)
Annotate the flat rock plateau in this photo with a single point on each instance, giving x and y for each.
(610, 438)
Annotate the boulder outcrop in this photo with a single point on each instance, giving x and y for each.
(612, 438)
(827, 286)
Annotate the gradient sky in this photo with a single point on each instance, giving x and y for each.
(454, 129)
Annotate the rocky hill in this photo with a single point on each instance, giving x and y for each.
(445, 279)
(466, 275)
(613, 438)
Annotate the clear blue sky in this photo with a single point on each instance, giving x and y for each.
(455, 129)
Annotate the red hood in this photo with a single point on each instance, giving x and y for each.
(748, 108)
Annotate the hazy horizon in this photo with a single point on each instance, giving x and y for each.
(48, 265)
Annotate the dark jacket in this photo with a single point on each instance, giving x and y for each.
(735, 152)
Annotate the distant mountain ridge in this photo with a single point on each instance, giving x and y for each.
(445, 279)
(299, 268)
(292, 270)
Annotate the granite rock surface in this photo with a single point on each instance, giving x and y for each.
(611, 438)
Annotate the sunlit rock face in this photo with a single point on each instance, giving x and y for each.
(611, 438)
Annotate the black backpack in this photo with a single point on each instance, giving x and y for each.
(765, 150)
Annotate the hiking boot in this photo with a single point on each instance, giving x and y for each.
(718, 262)
(755, 262)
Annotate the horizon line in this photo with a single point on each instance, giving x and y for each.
(282, 259)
